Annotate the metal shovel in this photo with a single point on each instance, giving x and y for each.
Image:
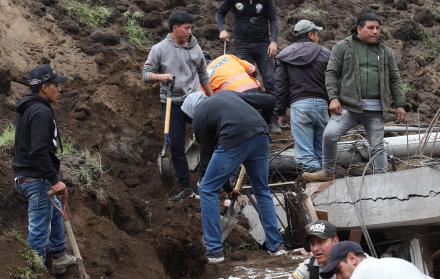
(230, 221)
(164, 158)
(71, 236)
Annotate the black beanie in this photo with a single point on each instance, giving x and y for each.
(367, 16)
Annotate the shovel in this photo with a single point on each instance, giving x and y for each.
(164, 158)
(230, 221)
(192, 152)
(71, 236)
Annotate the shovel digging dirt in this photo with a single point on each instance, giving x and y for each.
(71, 236)
(229, 222)
(164, 159)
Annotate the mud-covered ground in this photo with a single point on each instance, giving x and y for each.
(124, 226)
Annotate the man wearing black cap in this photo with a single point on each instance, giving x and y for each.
(362, 78)
(348, 260)
(300, 85)
(36, 166)
(321, 236)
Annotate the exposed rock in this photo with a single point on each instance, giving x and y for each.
(69, 26)
(5, 80)
(400, 5)
(105, 36)
(424, 17)
(419, 2)
(153, 20)
(409, 30)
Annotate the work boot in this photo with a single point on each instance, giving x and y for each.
(182, 194)
(319, 176)
(61, 261)
(215, 257)
(281, 250)
(275, 128)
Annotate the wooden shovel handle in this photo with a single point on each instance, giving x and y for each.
(166, 129)
(240, 178)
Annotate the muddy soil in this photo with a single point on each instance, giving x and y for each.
(124, 226)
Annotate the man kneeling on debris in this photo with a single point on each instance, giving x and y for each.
(348, 260)
(361, 78)
(36, 166)
(231, 132)
(321, 236)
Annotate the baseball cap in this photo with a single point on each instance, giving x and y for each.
(337, 254)
(303, 26)
(44, 73)
(320, 228)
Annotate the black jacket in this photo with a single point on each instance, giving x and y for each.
(36, 140)
(229, 118)
(252, 20)
(300, 73)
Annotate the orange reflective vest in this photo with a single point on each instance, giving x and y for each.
(228, 72)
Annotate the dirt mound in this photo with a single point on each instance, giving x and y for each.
(178, 242)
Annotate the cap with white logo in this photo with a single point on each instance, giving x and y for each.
(303, 26)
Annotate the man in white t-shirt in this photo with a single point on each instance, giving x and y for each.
(348, 260)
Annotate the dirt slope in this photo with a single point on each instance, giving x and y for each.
(123, 227)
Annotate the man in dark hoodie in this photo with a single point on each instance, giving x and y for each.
(178, 55)
(300, 84)
(36, 166)
(363, 82)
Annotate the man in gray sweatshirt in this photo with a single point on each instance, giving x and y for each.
(178, 55)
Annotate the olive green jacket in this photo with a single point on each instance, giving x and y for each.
(342, 79)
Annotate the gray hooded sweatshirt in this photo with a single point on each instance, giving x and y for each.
(186, 63)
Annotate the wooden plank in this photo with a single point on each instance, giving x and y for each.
(356, 235)
(322, 215)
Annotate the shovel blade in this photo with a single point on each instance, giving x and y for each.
(192, 152)
(228, 223)
(166, 171)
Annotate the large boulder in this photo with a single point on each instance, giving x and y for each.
(105, 36)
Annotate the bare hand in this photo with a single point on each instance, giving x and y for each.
(335, 106)
(166, 77)
(58, 187)
(400, 114)
(272, 49)
(224, 35)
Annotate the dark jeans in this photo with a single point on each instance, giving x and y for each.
(176, 138)
(256, 53)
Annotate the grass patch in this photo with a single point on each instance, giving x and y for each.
(7, 137)
(135, 33)
(86, 13)
(406, 88)
(90, 170)
(430, 47)
(310, 12)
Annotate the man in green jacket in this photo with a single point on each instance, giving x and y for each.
(362, 82)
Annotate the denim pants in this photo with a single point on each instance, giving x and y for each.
(308, 118)
(176, 139)
(46, 226)
(254, 154)
(338, 125)
(256, 53)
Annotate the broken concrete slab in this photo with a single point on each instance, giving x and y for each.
(410, 197)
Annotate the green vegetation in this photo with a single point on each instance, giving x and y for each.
(406, 87)
(90, 170)
(31, 258)
(86, 13)
(310, 12)
(135, 33)
(430, 48)
(68, 149)
(7, 137)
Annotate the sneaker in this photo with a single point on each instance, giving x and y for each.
(281, 250)
(182, 194)
(61, 262)
(215, 257)
(319, 176)
(275, 128)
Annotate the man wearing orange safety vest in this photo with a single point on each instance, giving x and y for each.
(228, 72)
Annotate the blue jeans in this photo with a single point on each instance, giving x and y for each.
(46, 226)
(338, 125)
(308, 118)
(254, 154)
(176, 138)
